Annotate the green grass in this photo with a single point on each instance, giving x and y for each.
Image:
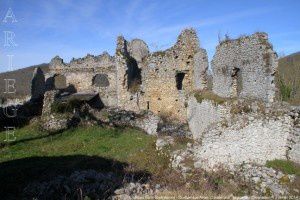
(38, 156)
(117, 144)
(285, 166)
(285, 90)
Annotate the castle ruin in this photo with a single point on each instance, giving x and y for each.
(232, 130)
(135, 79)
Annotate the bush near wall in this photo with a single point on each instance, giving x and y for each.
(288, 80)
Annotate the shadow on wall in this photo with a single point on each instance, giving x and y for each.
(17, 174)
(37, 84)
(134, 77)
(56, 82)
(20, 115)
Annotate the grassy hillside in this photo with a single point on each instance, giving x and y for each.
(38, 156)
(23, 79)
(289, 78)
(117, 144)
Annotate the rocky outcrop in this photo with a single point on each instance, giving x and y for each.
(145, 121)
(267, 181)
(135, 191)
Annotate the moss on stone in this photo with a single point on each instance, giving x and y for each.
(209, 95)
(240, 107)
(285, 166)
(284, 180)
(159, 53)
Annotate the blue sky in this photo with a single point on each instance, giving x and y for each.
(73, 28)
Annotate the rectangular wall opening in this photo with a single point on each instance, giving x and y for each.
(179, 79)
(236, 81)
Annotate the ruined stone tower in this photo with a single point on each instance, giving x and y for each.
(245, 68)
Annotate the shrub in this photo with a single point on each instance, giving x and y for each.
(2, 100)
(63, 107)
(285, 166)
(240, 107)
(209, 95)
(285, 90)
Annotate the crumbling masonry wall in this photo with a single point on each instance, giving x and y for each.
(162, 82)
(81, 76)
(167, 77)
(245, 68)
(247, 140)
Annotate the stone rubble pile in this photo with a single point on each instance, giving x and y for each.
(146, 121)
(162, 142)
(182, 160)
(267, 181)
(135, 191)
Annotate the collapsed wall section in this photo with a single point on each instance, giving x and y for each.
(169, 76)
(203, 116)
(246, 141)
(239, 132)
(88, 74)
(128, 57)
(135, 79)
(245, 68)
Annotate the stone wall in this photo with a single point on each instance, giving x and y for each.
(81, 73)
(135, 79)
(294, 139)
(139, 80)
(202, 116)
(168, 77)
(230, 139)
(245, 68)
(128, 71)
